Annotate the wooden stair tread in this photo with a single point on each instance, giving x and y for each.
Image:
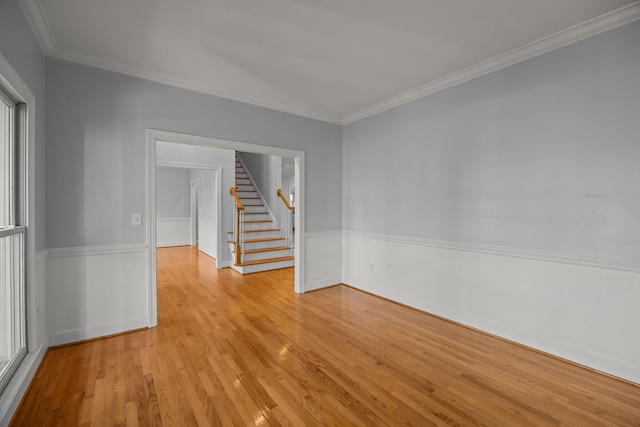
(263, 229)
(257, 221)
(263, 239)
(277, 248)
(256, 213)
(266, 261)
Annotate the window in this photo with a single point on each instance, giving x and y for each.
(12, 239)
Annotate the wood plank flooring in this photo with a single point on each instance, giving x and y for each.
(234, 350)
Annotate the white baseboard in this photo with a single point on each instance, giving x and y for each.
(173, 232)
(325, 283)
(16, 388)
(98, 331)
(172, 244)
(581, 310)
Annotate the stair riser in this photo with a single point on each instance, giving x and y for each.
(263, 245)
(265, 255)
(258, 217)
(246, 194)
(244, 187)
(263, 267)
(259, 226)
(249, 208)
(261, 234)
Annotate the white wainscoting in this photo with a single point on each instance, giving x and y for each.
(173, 232)
(580, 309)
(96, 291)
(207, 238)
(323, 256)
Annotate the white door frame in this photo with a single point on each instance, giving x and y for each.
(193, 201)
(153, 136)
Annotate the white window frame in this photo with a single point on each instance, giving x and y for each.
(12, 236)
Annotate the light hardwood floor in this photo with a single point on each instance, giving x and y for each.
(234, 350)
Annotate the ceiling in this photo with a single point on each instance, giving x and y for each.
(333, 60)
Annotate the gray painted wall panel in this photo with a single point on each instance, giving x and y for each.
(173, 192)
(96, 125)
(542, 155)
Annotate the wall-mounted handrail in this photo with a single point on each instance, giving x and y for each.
(284, 199)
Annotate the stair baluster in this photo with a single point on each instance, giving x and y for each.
(286, 217)
(238, 226)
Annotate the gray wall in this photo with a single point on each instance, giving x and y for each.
(543, 155)
(96, 125)
(173, 192)
(266, 171)
(20, 47)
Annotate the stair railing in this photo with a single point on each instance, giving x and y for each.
(287, 215)
(238, 226)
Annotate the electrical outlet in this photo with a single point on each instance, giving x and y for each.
(136, 219)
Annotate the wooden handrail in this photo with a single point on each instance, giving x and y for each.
(239, 207)
(239, 204)
(284, 199)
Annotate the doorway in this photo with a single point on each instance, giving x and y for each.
(157, 136)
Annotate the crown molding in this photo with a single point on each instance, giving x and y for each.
(35, 15)
(573, 34)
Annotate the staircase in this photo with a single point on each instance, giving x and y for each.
(256, 243)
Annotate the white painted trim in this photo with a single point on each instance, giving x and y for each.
(96, 332)
(173, 244)
(16, 388)
(583, 260)
(35, 15)
(95, 250)
(41, 256)
(16, 87)
(319, 284)
(582, 313)
(155, 135)
(570, 35)
(186, 218)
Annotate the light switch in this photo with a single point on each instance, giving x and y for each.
(136, 219)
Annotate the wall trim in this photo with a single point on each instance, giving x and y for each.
(77, 335)
(39, 23)
(562, 38)
(324, 283)
(95, 250)
(575, 259)
(41, 256)
(17, 387)
(36, 17)
(173, 244)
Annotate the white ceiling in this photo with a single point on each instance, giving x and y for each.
(334, 60)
